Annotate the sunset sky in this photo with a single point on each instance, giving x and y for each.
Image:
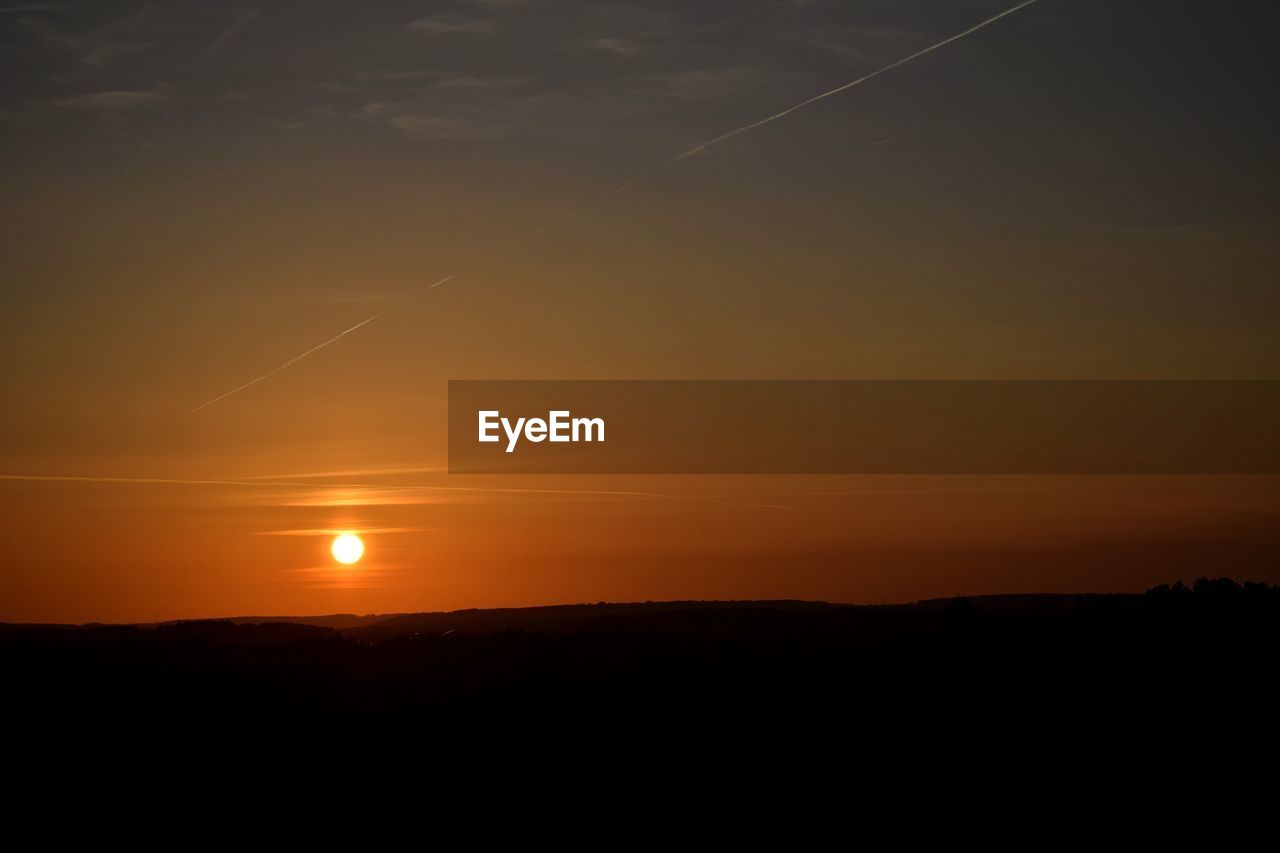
(194, 193)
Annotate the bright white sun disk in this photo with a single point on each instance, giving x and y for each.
(347, 548)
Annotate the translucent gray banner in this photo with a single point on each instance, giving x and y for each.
(863, 427)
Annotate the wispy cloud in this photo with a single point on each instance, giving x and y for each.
(290, 492)
(148, 481)
(703, 82)
(30, 8)
(448, 24)
(93, 51)
(230, 32)
(470, 83)
(97, 46)
(331, 531)
(442, 105)
(421, 127)
(617, 46)
(429, 82)
(413, 122)
(376, 576)
(392, 76)
(115, 100)
(384, 471)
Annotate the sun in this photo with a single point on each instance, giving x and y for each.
(347, 548)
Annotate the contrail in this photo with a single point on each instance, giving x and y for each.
(297, 358)
(290, 363)
(697, 149)
(838, 89)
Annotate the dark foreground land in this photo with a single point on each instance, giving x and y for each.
(1174, 655)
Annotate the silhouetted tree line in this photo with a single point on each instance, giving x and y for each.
(1219, 589)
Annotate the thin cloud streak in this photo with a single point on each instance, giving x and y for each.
(293, 484)
(232, 31)
(333, 531)
(618, 493)
(147, 481)
(447, 24)
(114, 100)
(392, 471)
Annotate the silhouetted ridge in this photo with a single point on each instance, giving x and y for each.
(1056, 657)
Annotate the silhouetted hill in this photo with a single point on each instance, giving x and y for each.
(1060, 660)
(340, 621)
(564, 617)
(570, 617)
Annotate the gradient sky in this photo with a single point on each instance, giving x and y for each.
(196, 192)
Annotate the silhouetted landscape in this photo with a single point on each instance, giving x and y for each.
(1008, 660)
(315, 317)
